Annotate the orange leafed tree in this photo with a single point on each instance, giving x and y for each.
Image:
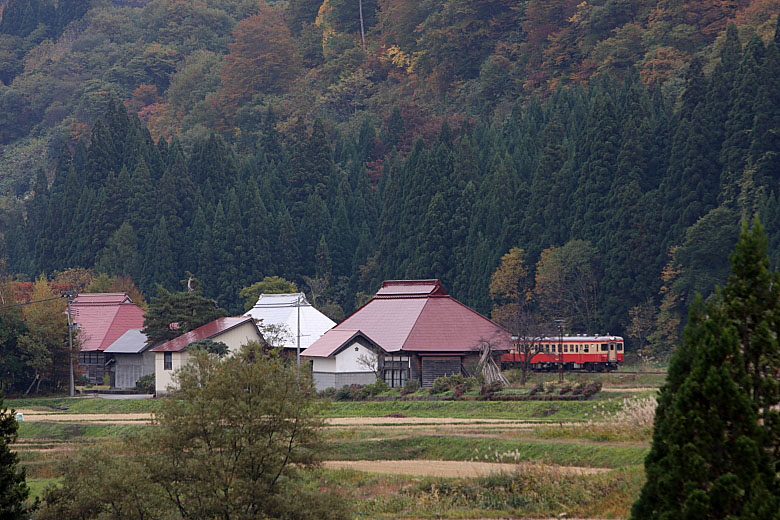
(262, 58)
(509, 286)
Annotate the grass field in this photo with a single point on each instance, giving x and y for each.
(552, 411)
(83, 405)
(548, 439)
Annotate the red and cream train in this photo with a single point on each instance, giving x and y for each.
(587, 353)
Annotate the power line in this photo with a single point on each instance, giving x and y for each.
(29, 303)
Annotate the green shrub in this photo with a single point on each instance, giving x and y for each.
(373, 389)
(328, 393)
(492, 388)
(349, 393)
(443, 384)
(145, 384)
(410, 387)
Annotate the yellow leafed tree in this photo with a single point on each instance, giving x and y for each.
(45, 346)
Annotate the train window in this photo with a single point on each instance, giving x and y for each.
(566, 348)
(620, 346)
(585, 348)
(604, 347)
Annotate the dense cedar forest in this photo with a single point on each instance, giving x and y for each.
(237, 139)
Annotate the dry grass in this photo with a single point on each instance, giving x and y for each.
(633, 421)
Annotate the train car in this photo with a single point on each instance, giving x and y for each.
(579, 352)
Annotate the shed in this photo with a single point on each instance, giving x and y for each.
(128, 359)
(415, 329)
(172, 355)
(283, 312)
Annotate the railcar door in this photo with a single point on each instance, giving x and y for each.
(612, 351)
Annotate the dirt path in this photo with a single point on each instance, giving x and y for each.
(110, 418)
(136, 418)
(449, 468)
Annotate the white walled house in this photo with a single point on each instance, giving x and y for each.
(346, 357)
(172, 355)
(418, 331)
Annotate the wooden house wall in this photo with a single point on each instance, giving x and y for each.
(436, 367)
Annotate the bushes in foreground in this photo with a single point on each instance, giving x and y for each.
(456, 386)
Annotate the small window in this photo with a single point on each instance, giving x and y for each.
(585, 348)
(604, 347)
(167, 361)
(566, 348)
(620, 347)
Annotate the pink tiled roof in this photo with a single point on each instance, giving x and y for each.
(410, 288)
(103, 317)
(415, 316)
(207, 331)
(331, 343)
(102, 298)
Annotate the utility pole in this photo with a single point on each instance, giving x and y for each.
(560, 321)
(69, 295)
(298, 348)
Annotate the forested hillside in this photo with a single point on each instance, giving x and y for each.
(238, 139)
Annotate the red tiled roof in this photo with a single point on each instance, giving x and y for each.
(207, 331)
(416, 316)
(103, 317)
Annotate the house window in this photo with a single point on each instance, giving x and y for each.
(167, 361)
(396, 370)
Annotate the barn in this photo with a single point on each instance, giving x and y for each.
(411, 329)
(128, 359)
(99, 320)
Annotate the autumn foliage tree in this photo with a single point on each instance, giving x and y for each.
(514, 306)
(567, 283)
(262, 59)
(45, 346)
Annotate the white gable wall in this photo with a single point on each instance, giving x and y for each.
(343, 368)
(347, 359)
(234, 338)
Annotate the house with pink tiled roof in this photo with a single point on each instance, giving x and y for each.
(234, 332)
(100, 319)
(411, 329)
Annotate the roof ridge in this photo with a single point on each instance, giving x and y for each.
(403, 343)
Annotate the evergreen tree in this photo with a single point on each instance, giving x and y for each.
(708, 458)
(187, 309)
(13, 488)
(740, 121)
(752, 305)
